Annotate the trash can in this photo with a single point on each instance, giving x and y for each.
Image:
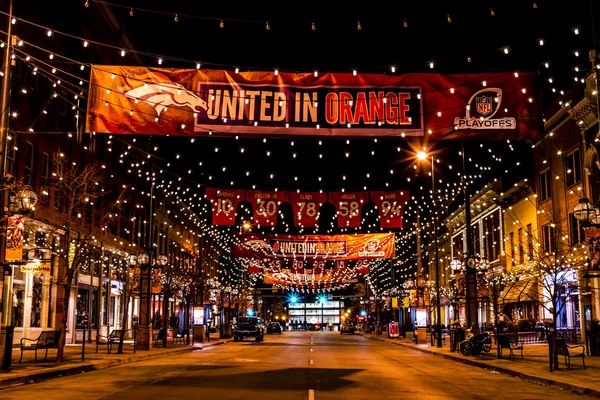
(198, 334)
(7, 335)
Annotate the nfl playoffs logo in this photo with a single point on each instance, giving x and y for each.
(482, 106)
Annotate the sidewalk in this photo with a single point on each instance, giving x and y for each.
(29, 372)
(533, 367)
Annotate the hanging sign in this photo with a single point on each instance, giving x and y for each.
(316, 247)
(163, 101)
(224, 203)
(35, 268)
(265, 206)
(390, 206)
(348, 206)
(592, 238)
(306, 207)
(14, 238)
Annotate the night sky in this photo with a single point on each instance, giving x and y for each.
(449, 34)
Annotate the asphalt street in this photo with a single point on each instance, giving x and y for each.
(294, 365)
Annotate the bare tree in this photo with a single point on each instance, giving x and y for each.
(554, 260)
(82, 220)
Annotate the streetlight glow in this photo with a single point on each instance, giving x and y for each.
(421, 155)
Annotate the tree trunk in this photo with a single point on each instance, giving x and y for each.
(187, 321)
(65, 319)
(553, 344)
(165, 316)
(125, 314)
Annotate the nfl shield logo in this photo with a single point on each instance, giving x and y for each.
(484, 105)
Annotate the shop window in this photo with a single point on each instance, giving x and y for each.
(548, 238)
(36, 301)
(530, 241)
(45, 178)
(520, 244)
(83, 299)
(577, 231)
(573, 168)
(545, 185)
(28, 177)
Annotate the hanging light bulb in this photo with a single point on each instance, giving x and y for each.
(534, 4)
(492, 12)
(176, 19)
(359, 27)
(122, 53)
(198, 65)
(449, 18)
(405, 24)
(49, 33)
(316, 73)
(431, 64)
(276, 72)
(131, 12)
(221, 24)
(85, 43)
(313, 27)
(160, 60)
(393, 69)
(268, 27)
(87, 3)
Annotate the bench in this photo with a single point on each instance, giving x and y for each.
(179, 337)
(112, 338)
(505, 343)
(46, 340)
(563, 349)
(159, 337)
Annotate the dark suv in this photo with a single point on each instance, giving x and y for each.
(248, 327)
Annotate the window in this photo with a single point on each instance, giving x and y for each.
(548, 238)
(573, 165)
(45, 177)
(511, 247)
(28, 177)
(520, 244)
(530, 241)
(577, 231)
(545, 185)
(10, 159)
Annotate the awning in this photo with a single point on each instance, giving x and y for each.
(520, 291)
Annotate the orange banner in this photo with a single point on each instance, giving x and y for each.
(316, 247)
(163, 101)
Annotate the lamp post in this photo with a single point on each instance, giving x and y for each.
(144, 259)
(422, 156)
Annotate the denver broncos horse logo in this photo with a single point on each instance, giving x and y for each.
(163, 95)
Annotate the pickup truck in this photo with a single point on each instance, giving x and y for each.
(248, 327)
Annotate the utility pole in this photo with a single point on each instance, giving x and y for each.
(437, 258)
(470, 266)
(5, 293)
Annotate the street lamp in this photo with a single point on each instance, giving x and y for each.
(456, 265)
(26, 199)
(584, 211)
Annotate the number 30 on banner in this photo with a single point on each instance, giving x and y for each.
(348, 209)
(266, 207)
(311, 209)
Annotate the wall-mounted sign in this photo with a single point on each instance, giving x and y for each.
(35, 268)
(14, 238)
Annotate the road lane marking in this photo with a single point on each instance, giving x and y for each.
(311, 394)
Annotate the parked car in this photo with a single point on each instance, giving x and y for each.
(274, 327)
(248, 327)
(347, 328)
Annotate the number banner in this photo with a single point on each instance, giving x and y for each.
(316, 247)
(390, 206)
(265, 206)
(348, 206)
(160, 101)
(224, 203)
(306, 207)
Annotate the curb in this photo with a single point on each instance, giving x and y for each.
(58, 372)
(507, 371)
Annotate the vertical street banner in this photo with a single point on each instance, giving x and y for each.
(390, 206)
(14, 238)
(224, 203)
(592, 238)
(306, 207)
(349, 207)
(265, 206)
(170, 101)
